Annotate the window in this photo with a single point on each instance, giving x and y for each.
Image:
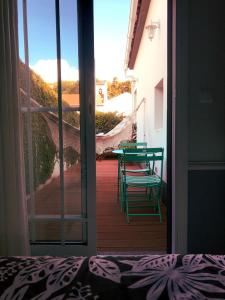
(159, 105)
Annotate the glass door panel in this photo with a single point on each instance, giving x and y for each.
(57, 164)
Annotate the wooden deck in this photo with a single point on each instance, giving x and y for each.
(113, 233)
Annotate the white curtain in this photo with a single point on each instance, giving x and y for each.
(13, 210)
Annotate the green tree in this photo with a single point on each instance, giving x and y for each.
(68, 87)
(116, 87)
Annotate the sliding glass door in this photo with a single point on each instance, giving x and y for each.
(58, 105)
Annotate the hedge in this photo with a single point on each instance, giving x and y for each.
(107, 121)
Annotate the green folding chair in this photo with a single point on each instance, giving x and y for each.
(126, 145)
(140, 192)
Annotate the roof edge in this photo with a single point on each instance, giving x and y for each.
(135, 30)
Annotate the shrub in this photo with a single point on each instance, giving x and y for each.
(43, 148)
(70, 156)
(44, 152)
(107, 121)
(72, 117)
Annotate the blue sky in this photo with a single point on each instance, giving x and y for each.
(111, 25)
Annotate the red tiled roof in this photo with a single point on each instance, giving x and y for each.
(71, 99)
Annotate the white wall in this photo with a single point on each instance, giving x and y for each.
(121, 104)
(103, 87)
(149, 69)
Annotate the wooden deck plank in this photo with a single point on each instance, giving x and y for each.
(113, 233)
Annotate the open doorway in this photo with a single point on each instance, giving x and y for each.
(144, 65)
(64, 217)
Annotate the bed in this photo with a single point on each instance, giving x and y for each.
(152, 277)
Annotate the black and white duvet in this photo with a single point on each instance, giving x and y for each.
(113, 277)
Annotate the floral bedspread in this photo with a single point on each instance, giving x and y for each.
(113, 277)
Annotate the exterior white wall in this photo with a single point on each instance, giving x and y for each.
(149, 69)
(101, 93)
(121, 104)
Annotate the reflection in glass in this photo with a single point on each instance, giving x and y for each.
(51, 231)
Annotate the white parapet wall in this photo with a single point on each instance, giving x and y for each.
(121, 104)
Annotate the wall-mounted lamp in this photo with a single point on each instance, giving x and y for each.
(152, 28)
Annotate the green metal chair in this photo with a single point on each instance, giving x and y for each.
(126, 145)
(132, 166)
(140, 192)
